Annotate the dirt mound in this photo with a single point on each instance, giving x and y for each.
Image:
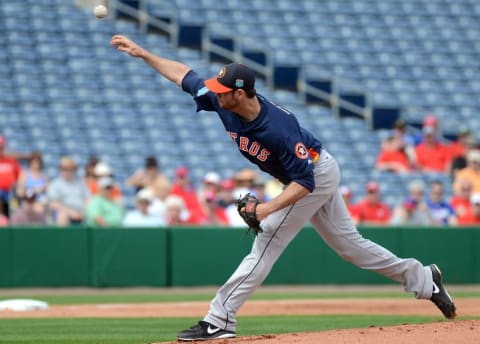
(442, 332)
(457, 332)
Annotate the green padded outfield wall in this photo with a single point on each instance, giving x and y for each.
(128, 257)
(206, 256)
(454, 250)
(49, 257)
(5, 258)
(80, 256)
(307, 260)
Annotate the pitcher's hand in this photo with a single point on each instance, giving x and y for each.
(126, 45)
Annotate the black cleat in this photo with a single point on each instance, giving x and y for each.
(440, 296)
(204, 331)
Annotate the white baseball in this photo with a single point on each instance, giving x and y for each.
(100, 11)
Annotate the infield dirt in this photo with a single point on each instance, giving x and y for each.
(441, 332)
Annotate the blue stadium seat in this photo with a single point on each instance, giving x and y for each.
(59, 76)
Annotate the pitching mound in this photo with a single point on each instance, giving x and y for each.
(441, 332)
(458, 332)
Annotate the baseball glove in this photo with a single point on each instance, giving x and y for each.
(247, 208)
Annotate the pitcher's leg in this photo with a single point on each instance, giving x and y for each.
(336, 228)
(278, 230)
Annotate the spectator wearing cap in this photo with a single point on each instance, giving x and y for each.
(371, 210)
(460, 201)
(210, 185)
(225, 194)
(9, 174)
(472, 217)
(102, 169)
(175, 208)
(27, 214)
(430, 121)
(440, 210)
(160, 190)
(183, 187)
(215, 214)
(413, 211)
(67, 195)
(347, 195)
(431, 155)
(245, 178)
(33, 179)
(145, 177)
(471, 173)
(393, 157)
(140, 216)
(102, 211)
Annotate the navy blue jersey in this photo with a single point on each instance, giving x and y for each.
(274, 141)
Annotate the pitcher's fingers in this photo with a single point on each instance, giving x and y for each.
(117, 37)
(123, 48)
(116, 40)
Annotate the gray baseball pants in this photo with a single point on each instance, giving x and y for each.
(326, 210)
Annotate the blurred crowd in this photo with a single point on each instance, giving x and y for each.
(426, 205)
(413, 151)
(92, 195)
(408, 150)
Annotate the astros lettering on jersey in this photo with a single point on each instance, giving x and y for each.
(274, 140)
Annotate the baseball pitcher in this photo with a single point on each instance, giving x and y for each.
(271, 137)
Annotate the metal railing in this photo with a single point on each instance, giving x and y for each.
(333, 99)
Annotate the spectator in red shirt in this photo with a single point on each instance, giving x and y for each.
(9, 173)
(393, 157)
(183, 188)
(352, 208)
(458, 147)
(404, 138)
(472, 217)
(460, 201)
(210, 185)
(216, 215)
(432, 155)
(371, 210)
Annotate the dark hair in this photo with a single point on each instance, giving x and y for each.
(251, 93)
(93, 160)
(35, 155)
(151, 161)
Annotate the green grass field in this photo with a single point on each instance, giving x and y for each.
(147, 330)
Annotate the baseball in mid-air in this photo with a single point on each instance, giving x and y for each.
(100, 11)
